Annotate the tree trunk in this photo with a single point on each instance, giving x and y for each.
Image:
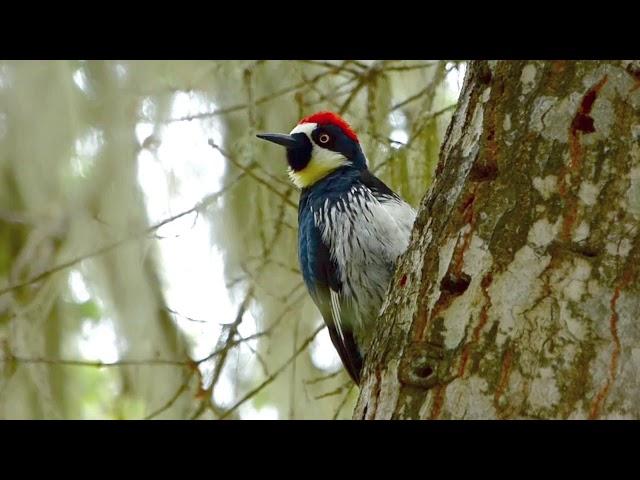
(519, 296)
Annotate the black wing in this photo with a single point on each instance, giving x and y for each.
(323, 280)
(377, 186)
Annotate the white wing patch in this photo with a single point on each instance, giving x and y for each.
(335, 311)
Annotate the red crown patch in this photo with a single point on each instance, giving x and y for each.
(330, 118)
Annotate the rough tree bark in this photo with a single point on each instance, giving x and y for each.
(519, 296)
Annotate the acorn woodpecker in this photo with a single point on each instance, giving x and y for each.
(351, 230)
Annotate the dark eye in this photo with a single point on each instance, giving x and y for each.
(324, 138)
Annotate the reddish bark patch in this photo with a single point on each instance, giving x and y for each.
(485, 283)
(403, 281)
(464, 359)
(628, 277)
(483, 172)
(458, 256)
(569, 219)
(469, 218)
(421, 322)
(438, 400)
(562, 186)
(483, 317)
(582, 123)
(505, 370)
(575, 150)
(556, 75)
(601, 397)
(467, 202)
(558, 66)
(454, 284)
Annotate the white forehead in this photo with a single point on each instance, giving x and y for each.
(305, 128)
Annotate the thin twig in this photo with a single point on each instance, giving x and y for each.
(273, 376)
(247, 170)
(343, 403)
(352, 95)
(184, 316)
(405, 68)
(323, 377)
(266, 98)
(260, 359)
(204, 203)
(125, 363)
(334, 392)
(96, 364)
(167, 405)
(277, 263)
(228, 343)
(411, 98)
(331, 66)
(336, 92)
(424, 121)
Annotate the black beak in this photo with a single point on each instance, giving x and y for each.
(284, 140)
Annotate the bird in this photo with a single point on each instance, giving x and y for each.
(351, 230)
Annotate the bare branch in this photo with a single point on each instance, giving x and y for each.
(425, 120)
(260, 359)
(323, 377)
(125, 363)
(345, 106)
(274, 375)
(247, 170)
(184, 316)
(201, 205)
(167, 405)
(343, 403)
(232, 344)
(336, 92)
(266, 98)
(229, 342)
(411, 98)
(334, 392)
(334, 68)
(284, 266)
(96, 364)
(406, 68)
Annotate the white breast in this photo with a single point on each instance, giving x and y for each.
(366, 235)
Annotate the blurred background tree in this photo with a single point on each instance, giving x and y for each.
(148, 259)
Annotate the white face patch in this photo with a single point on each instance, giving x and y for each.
(305, 128)
(323, 161)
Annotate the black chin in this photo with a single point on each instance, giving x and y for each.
(299, 156)
(298, 146)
